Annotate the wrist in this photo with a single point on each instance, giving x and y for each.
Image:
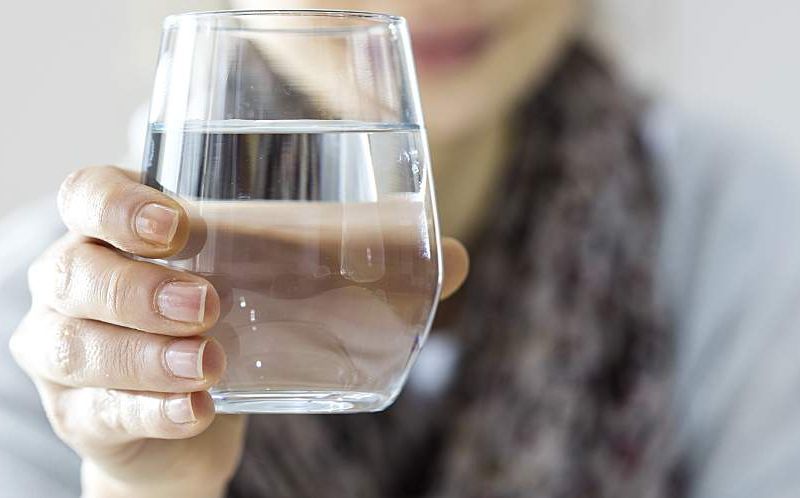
(97, 484)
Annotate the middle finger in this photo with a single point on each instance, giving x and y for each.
(85, 353)
(82, 279)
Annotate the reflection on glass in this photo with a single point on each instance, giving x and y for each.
(295, 142)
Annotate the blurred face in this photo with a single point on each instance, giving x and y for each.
(475, 58)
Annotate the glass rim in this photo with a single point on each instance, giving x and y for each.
(378, 18)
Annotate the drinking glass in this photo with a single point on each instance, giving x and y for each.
(295, 142)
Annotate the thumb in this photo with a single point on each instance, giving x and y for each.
(456, 266)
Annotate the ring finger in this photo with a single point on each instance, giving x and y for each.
(86, 353)
(83, 279)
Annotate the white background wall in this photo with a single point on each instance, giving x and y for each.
(738, 60)
(73, 72)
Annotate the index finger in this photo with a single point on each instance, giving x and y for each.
(106, 203)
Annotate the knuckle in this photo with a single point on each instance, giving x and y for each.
(67, 352)
(63, 267)
(125, 357)
(34, 270)
(15, 346)
(89, 196)
(16, 342)
(37, 271)
(115, 199)
(107, 404)
(117, 287)
(68, 187)
(56, 409)
(52, 273)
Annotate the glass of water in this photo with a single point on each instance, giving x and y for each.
(295, 141)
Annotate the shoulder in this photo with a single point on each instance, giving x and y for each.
(730, 198)
(697, 154)
(730, 274)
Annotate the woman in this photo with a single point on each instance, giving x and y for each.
(627, 330)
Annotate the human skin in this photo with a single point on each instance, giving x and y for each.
(476, 59)
(113, 345)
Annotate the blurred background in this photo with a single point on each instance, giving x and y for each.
(73, 86)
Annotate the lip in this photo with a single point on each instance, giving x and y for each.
(439, 50)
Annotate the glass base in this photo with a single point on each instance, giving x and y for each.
(298, 401)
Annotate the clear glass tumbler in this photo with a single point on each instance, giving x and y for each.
(295, 141)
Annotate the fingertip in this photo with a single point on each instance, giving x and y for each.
(180, 236)
(186, 415)
(202, 407)
(160, 226)
(214, 361)
(212, 307)
(188, 304)
(110, 204)
(456, 266)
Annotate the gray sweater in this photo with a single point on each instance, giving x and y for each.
(729, 269)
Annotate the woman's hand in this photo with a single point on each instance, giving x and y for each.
(113, 345)
(114, 349)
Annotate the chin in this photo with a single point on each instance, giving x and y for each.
(447, 123)
(457, 103)
(463, 96)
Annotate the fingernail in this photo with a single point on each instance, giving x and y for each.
(156, 223)
(184, 358)
(182, 301)
(178, 409)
